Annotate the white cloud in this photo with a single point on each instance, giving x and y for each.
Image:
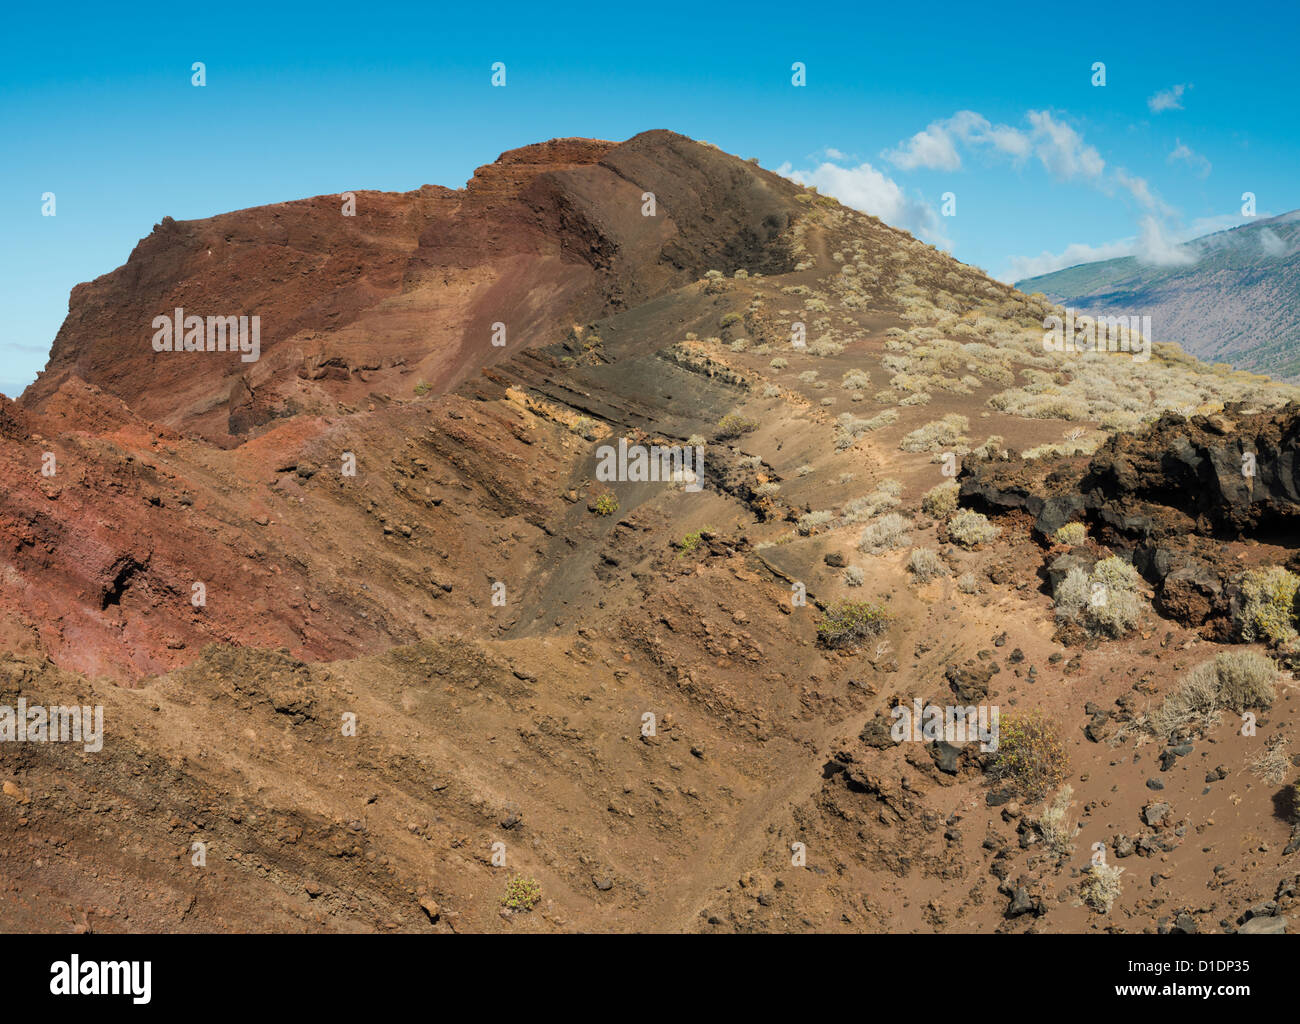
(1157, 246)
(1158, 242)
(1021, 267)
(1141, 190)
(1167, 99)
(1064, 154)
(1271, 243)
(1011, 141)
(1210, 225)
(1062, 150)
(1059, 148)
(867, 189)
(1189, 156)
(932, 148)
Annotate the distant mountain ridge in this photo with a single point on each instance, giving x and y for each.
(1237, 302)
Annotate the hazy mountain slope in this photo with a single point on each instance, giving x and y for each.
(1237, 300)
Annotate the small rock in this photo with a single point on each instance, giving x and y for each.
(1263, 926)
(430, 907)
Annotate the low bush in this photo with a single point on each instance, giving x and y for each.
(925, 564)
(936, 434)
(941, 499)
(733, 425)
(848, 622)
(1071, 533)
(809, 522)
(1054, 823)
(1274, 765)
(1101, 886)
(1105, 602)
(521, 893)
(969, 528)
(1233, 679)
(1267, 610)
(1245, 679)
(887, 533)
(1031, 756)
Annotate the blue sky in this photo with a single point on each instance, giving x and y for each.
(902, 104)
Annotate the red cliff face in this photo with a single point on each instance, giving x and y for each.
(406, 292)
(136, 479)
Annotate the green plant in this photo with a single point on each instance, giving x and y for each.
(522, 893)
(809, 522)
(1101, 886)
(969, 528)
(1274, 764)
(883, 498)
(733, 425)
(1267, 609)
(847, 622)
(1233, 679)
(605, 505)
(1071, 533)
(941, 499)
(1115, 574)
(1195, 704)
(1054, 823)
(888, 532)
(1104, 601)
(937, 434)
(1031, 755)
(925, 564)
(691, 541)
(422, 388)
(1246, 679)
